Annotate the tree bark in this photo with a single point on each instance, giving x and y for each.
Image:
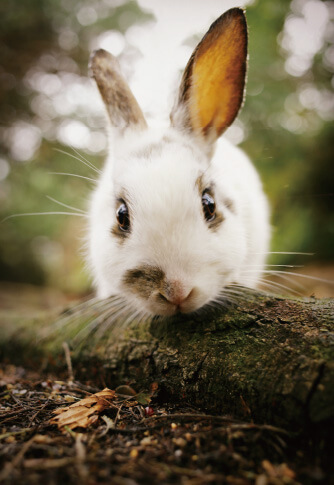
(269, 359)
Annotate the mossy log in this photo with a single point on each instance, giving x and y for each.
(269, 359)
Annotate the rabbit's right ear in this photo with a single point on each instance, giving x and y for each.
(212, 87)
(122, 107)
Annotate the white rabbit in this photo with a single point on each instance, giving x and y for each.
(175, 218)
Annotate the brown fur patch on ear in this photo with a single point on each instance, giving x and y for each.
(212, 87)
(122, 107)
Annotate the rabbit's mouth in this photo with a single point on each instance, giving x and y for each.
(176, 301)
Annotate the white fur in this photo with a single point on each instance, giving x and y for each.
(168, 229)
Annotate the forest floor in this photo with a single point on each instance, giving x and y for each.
(132, 443)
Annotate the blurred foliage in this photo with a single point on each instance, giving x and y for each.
(297, 167)
(296, 163)
(46, 249)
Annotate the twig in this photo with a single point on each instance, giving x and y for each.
(68, 362)
(38, 411)
(9, 415)
(80, 457)
(234, 424)
(187, 416)
(46, 463)
(13, 433)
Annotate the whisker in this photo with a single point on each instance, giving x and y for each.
(104, 312)
(52, 213)
(83, 158)
(64, 205)
(286, 252)
(85, 162)
(232, 295)
(128, 318)
(131, 315)
(216, 304)
(234, 291)
(110, 320)
(71, 315)
(242, 289)
(89, 305)
(274, 272)
(89, 329)
(225, 301)
(274, 284)
(73, 175)
(290, 280)
(145, 317)
(274, 265)
(142, 316)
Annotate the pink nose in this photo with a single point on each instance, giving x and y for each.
(174, 292)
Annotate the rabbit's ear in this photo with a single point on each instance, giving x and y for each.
(212, 87)
(122, 107)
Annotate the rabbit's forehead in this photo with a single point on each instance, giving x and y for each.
(162, 182)
(162, 166)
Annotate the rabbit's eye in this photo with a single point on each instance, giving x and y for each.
(209, 206)
(123, 217)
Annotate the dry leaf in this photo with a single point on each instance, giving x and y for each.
(84, 413)
(269, 468)
(125, 391)
(286, 471)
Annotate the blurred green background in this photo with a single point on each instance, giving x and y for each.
(46, 103)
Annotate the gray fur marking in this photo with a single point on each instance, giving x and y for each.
(144, 280)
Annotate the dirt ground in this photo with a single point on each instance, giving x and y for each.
(133, 443)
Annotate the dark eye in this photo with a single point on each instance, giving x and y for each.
(209, 206)
(123, 217)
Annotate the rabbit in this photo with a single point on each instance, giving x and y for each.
(177, 215)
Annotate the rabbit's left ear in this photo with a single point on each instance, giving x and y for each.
(212, 87)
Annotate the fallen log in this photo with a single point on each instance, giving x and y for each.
(268, 359)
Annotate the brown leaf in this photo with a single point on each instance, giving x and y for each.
(125, 391)
(83, 413)
(269, 468)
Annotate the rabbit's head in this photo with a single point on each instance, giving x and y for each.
(167, 230)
